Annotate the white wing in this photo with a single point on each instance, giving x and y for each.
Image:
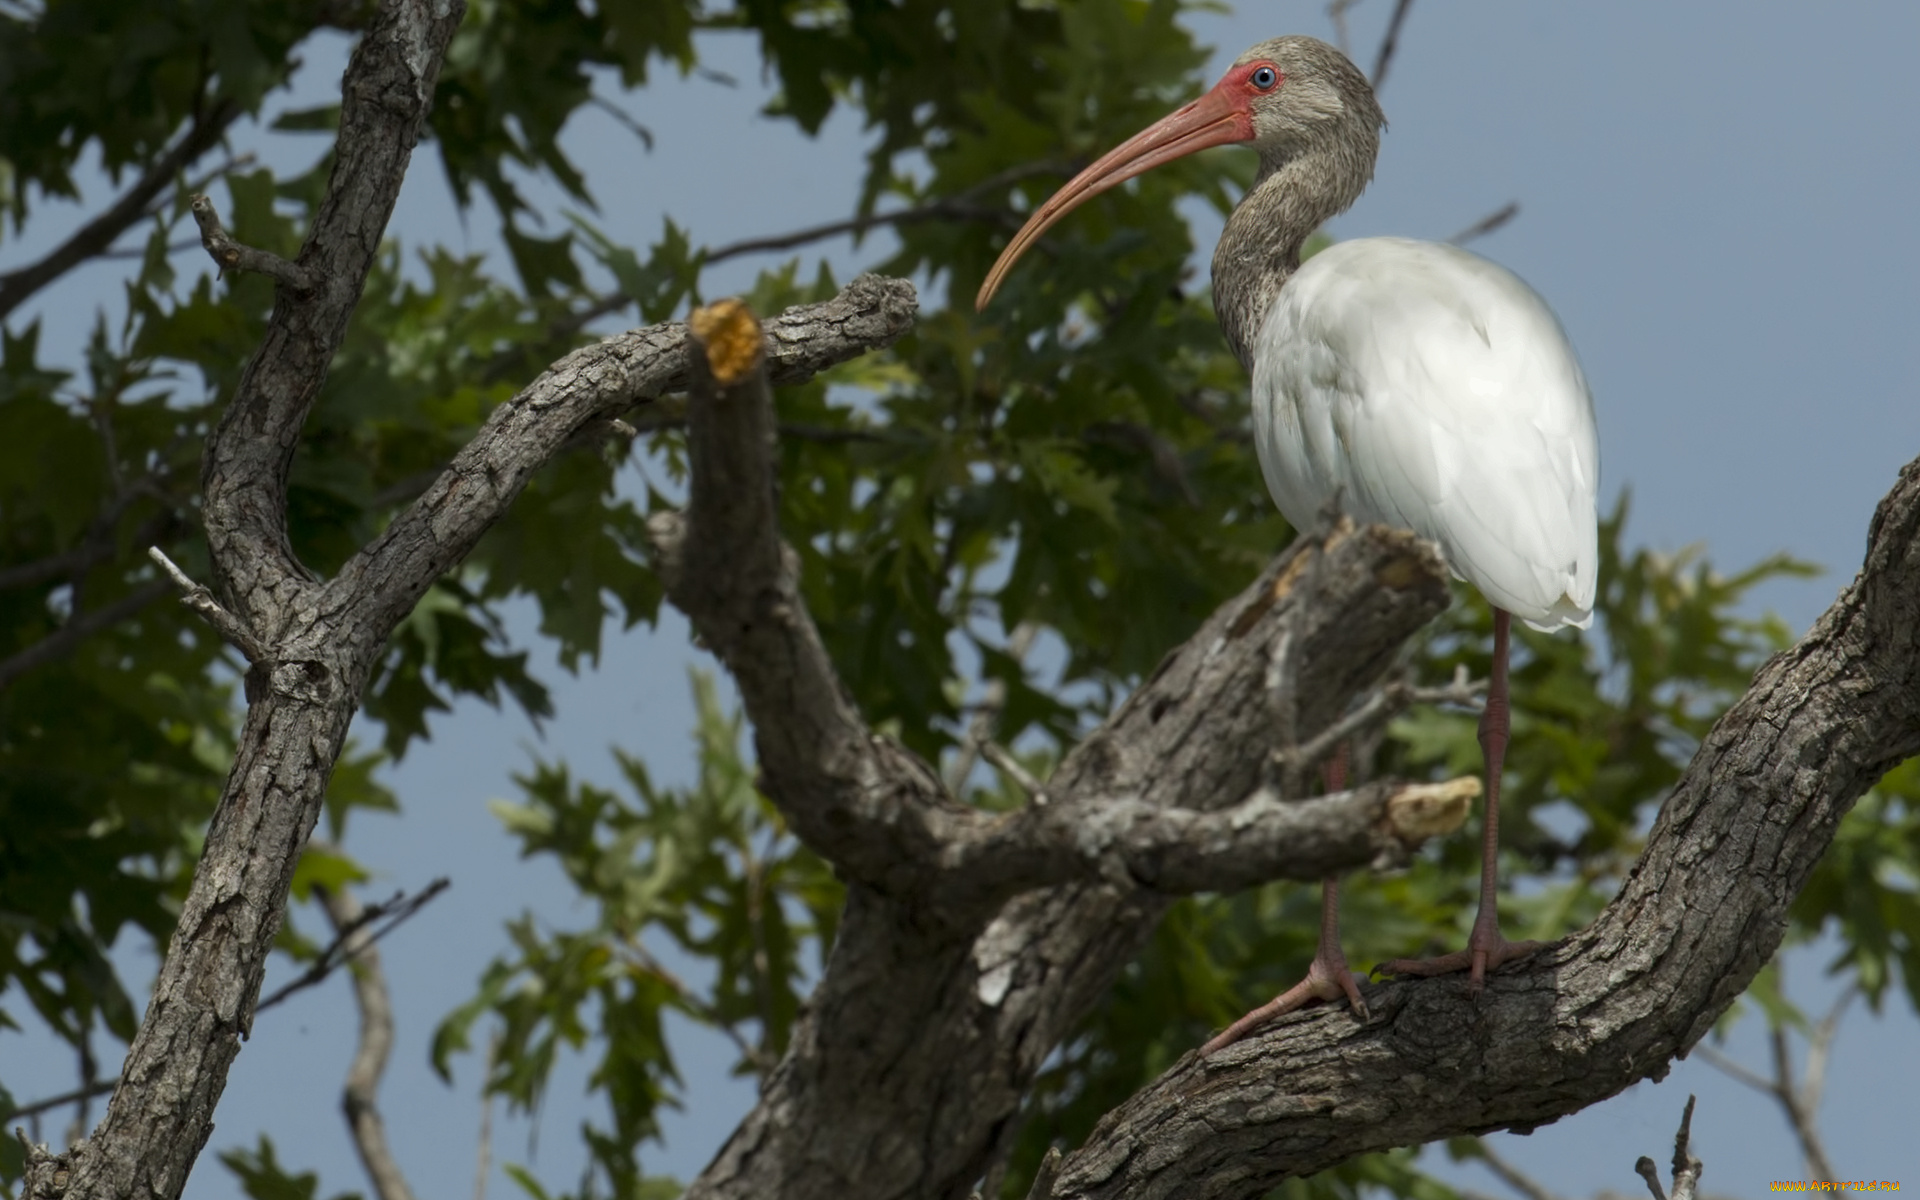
(1438, 393)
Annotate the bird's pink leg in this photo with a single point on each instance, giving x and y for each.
(1327, 977)
(1486, 949)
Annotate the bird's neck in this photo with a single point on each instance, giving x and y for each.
(1260, 248)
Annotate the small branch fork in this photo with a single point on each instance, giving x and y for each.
(230, 255)
(199, 598)
(355, 934)
(1686, 1168)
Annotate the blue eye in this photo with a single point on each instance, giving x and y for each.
(1264, 78)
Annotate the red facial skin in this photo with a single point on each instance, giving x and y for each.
(1221, 117)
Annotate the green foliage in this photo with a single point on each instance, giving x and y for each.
(262, 1177)
(1074, 462)
(707, 875)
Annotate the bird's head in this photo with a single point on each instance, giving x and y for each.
(1286, 98)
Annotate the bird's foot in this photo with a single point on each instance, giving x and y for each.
(1483, 953)
(1327, 980)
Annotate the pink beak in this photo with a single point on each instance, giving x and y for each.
(1215, 119)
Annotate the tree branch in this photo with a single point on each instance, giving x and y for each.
(1389, 42)
(359, 1100)
(1132, 841)
(998, 932)
(229, 255)
(385, 96)
(1493, 221)
(439, 529)
(197, 597)
(79, 627)
(97, 235)
(301, 696)
(884, 817)
(1686, 1168)
(1702, 911)
(349, 940)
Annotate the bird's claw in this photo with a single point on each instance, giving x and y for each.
(1480, 956)
(1326, 982)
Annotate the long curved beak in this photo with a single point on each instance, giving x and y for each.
(1215, 119)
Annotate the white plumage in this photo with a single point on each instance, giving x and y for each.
(1424, 386)
(1437, 392)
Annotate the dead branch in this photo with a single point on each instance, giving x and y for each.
(1686, 1168)
(197, 597)
(230, 255)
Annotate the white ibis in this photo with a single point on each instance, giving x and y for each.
(1422, 385)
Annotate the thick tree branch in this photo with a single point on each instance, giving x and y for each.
(883, 816)
(302, 693)
(947, 916)
(97, 235)
(1699, 915)
(385, 97)
(438, 530)
(1132, 841)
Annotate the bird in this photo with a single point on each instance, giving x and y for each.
(1418, 384)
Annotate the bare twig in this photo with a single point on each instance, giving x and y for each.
(1337, 13)
(344, 945)
(79, 627)
(1389, 42)
(1686, 1168)
(1004, 762)
(359, 1099)
(1645, 1168)
(957, 207)
(77, 1095)
(981, 729)
(200, 599)
(1381, 706)
(483, 1154)
(1487, 224)
(230, 255)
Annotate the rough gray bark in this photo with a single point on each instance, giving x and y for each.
(972, 942)
(1701, 912)
(313, 643)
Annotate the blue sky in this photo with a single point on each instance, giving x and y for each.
(1717, 198)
